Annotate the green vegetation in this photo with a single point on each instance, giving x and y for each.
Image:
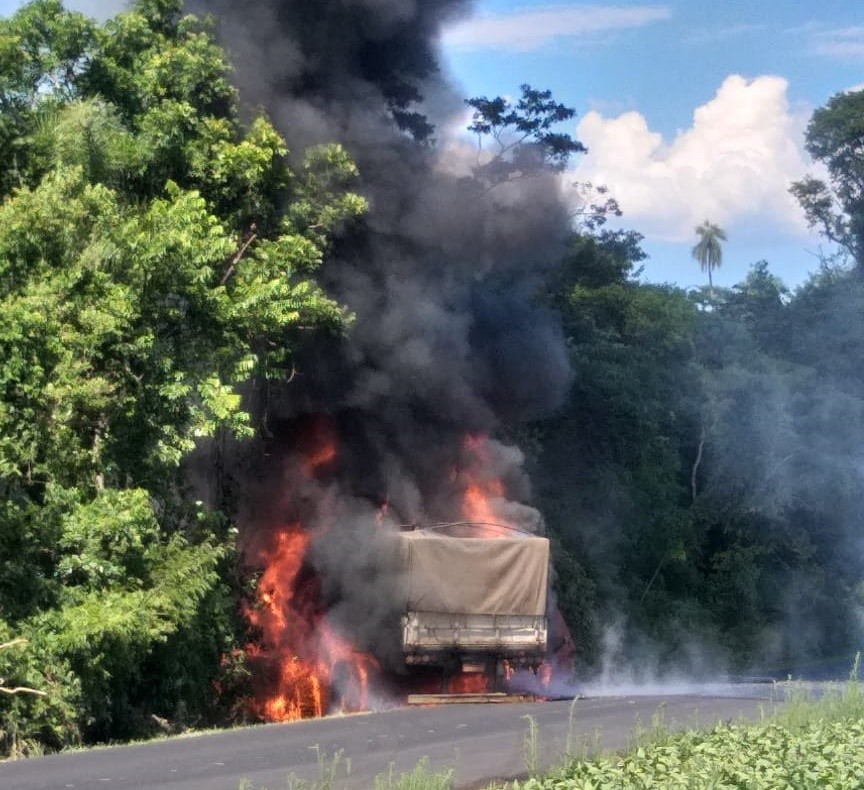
(708, 251)
(730, 756)
(835, 206)
(419, 778)
(807, 743)
(152, 252)
(702, 479)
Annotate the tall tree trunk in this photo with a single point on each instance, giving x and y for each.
(98, 438)
(694, 492)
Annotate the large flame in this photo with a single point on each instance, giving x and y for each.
(285, 614)
(483, 495)
(305, 668)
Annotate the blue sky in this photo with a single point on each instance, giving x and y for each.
(691, 109)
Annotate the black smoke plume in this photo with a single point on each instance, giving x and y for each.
(448, 341)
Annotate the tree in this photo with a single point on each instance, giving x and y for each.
(155, 254)
(835, 137)
(610, 482)
(525, 142)
(702, 478)
(4, 689)
(708, 251)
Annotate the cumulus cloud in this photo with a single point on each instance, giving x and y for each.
(735, 162)
(846, 43)
(527, 29)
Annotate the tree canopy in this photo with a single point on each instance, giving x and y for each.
(155, 253)
(524, 136)
(836, 207)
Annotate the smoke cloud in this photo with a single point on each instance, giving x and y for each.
(448, 342)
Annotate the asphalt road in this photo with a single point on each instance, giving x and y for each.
(482, 742)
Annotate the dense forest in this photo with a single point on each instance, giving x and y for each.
(175, 266)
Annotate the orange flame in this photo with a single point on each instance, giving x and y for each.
(322, 455)
(355, 667)
(299, 647)
(469, 683)
(481, 495)
(277, 586)
(478, 504)
(284, 616)
(299, 655)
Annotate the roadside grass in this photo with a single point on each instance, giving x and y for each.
(808, 742)
(838, 702)
(759, 757)
(331, 768)
(421, 778)
(334, 768)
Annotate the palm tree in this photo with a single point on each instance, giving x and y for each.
(708, 251)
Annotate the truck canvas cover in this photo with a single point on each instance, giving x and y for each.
(478, 576)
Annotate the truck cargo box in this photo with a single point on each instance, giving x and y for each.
(474, 597)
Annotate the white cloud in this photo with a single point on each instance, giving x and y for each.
(846, 43)
(529, 29)
(736, 162)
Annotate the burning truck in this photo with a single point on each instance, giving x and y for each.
(469, 611)
(354, 611)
